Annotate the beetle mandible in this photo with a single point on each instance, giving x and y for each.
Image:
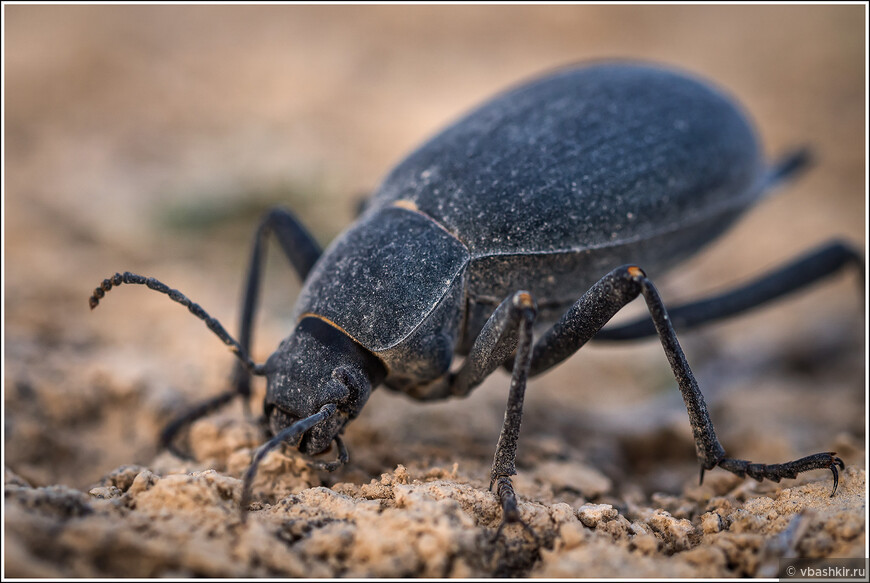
(512, 238)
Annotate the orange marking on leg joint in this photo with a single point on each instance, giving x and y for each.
(525, 299)
(636, 271)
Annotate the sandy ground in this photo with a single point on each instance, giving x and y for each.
(150, 139)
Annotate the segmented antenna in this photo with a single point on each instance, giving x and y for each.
(179, 297)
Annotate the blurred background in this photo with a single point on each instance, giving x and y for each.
(152, 138)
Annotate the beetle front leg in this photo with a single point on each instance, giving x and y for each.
(597, 307)
(301, 250)
(508, 330)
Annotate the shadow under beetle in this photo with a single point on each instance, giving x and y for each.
(481, 242)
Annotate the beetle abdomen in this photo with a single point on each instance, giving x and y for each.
(584, 159)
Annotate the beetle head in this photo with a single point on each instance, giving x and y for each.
(316, 365)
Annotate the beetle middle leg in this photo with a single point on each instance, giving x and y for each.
(509, 329)
(302, 251)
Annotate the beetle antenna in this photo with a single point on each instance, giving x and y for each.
(288, 434)
(179, 297)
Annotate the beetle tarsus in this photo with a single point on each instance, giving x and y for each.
(510, 511)
(776, 472)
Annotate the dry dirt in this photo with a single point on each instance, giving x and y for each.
(150, 139)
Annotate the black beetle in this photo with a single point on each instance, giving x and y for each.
(494, 228)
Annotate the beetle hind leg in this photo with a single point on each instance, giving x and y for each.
(597, 306)
(815, 265)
